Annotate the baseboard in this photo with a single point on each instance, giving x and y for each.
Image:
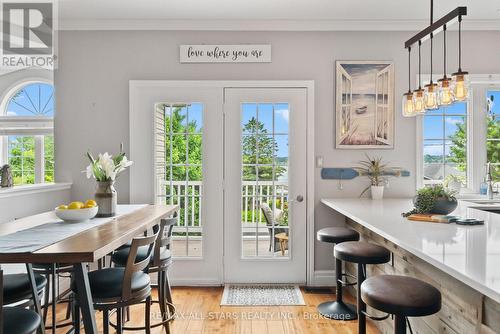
(194, 282)
(323, 278)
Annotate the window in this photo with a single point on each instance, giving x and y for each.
(26, 132)
(179, 172)
(493, 132)
(445, 137)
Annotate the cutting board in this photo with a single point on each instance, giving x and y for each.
(430, 218)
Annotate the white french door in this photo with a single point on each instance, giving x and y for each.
(265, 185)
(234, 160)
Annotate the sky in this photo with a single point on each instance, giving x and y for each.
(363, 76)
(37, 97)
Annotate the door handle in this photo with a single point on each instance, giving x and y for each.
(299, 198)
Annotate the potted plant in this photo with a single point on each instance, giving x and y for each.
(433, 199)
(105, 170)
(374, 169)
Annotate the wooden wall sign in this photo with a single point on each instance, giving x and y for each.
(246, 53)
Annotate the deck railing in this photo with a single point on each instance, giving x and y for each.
(188, 196)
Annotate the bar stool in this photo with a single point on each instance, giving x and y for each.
(337, 309)
(401, 296)
(361, 253)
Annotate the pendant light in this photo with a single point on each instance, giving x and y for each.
(445, 91)
(430, 94)
(418, 94)
(408, 106)
(460, 78)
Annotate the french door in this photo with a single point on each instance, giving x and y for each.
(234, 160)
(265, 185)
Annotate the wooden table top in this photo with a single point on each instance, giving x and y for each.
(89, 245)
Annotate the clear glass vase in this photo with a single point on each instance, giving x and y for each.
(106, 199)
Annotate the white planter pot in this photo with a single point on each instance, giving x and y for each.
(377, 192)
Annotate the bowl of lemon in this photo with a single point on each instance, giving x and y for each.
(77, 211)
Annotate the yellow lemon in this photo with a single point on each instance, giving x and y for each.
(75, 205)
(90, 203)
(62, 207)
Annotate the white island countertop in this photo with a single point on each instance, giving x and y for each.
(471, 254)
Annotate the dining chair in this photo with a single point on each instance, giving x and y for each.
(118, 287)
(160, 263)
(52, 272)
(17, 289)
(16, 319)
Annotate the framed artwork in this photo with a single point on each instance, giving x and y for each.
(364, 105)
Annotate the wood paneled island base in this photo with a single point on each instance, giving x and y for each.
(464, 309)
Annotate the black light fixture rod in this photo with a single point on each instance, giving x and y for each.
(419, 65)
(432, 12)
(409, 69)
(432, 39)
(460, 44)
(444, 52)
(457, 12)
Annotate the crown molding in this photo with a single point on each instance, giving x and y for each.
(266, 25)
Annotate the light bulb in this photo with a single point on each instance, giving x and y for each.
(430, 96)
(445, 93)
(408, 105)
(461, 86)
(418, 101)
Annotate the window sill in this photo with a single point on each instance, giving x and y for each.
(33, 189)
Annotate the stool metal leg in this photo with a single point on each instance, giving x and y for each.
(361, 304)
(338, 310)
(399, 324)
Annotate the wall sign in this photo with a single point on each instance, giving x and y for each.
(245, 53)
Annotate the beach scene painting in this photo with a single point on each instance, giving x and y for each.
(364, 104)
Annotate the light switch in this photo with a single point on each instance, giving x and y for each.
(319, 161)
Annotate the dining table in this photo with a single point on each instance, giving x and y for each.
(45, 239)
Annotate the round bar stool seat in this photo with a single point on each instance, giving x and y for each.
(16, 287)
(402, 296)
(362, 252)
(337, 309)
(19, 321)
(336, 235)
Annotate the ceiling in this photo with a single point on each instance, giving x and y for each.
(303, 14)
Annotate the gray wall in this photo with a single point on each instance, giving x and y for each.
(96, 66)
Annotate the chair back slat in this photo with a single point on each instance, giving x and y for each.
(164, 238)
(133, 266)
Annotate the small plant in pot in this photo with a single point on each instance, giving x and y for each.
(374, 169)
(434, 199)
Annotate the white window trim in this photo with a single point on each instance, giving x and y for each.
(37, 126)
(476, 134)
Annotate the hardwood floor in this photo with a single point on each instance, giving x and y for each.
(199, 312)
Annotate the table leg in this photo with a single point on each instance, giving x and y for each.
(84, 297)
(34, 292)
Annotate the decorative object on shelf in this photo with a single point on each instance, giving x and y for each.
(348, 173)
(6, 176)
(446, 91)
(434, 199)
(364, 104)
(374, 169)
(105, 170)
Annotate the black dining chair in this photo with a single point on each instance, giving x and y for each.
(119, 287)
(17, 320)
(160, 263)
(17, 289)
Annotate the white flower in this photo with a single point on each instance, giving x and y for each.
(89, 171)
(107, 164)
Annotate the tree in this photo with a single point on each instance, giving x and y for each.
(258, 147)
(22, 158)
(459, 140)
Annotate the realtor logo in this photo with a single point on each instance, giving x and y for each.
(27, 34)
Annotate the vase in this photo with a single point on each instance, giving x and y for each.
(105, 197)
(377, 192)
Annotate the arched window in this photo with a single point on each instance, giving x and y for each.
(26, 132)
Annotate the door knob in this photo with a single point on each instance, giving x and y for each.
(299, 198)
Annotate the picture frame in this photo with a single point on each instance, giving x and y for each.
(364, 104)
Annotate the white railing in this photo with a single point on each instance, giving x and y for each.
(253, 192)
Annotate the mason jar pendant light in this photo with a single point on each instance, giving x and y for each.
(460, 78)
(430, 94)
(445, 92)
(408, 106)
(418, 94)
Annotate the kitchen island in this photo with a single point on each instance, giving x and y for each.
(462, 261)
